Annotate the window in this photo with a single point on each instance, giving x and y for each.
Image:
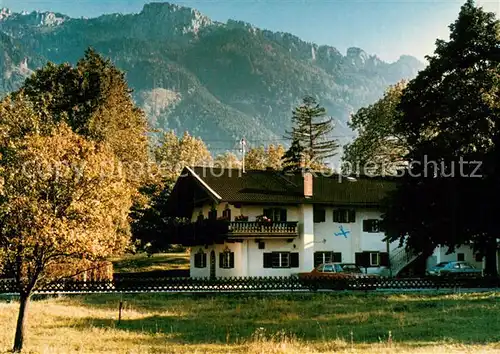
(460, 257)
(466, 266)
(327, 257)
(226, 259)
(275, 214)
(479, 257)
(262, 245)
(226, 213)
(281, 260)
(328, 268)
(344, 215)
(200, 259)
(319, 215)
(372, 225)
(374, 259)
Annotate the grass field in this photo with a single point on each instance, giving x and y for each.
(239, 323)
(158, 262)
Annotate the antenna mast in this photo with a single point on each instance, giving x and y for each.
(243, 145)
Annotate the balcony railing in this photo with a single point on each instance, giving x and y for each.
(208, 231)
(255, 228)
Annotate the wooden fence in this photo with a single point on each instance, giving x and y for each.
(254, 284)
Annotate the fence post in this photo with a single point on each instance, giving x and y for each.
(120, 307)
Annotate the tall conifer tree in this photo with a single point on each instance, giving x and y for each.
(312, 130)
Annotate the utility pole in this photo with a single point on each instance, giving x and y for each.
(243, 145)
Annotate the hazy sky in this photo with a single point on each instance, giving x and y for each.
(385, 28)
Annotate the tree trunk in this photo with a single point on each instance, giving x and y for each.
(21, 321)
(490, 268)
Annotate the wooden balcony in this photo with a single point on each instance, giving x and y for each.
(259, 229)
(209, 231)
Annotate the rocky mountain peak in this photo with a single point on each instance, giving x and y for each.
(5, 13)
(177, 18)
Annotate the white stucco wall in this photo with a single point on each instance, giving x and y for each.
(356, 239)
(240, 261)
(306, 238)
(256, 257)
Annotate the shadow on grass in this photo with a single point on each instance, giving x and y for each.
(314, 318)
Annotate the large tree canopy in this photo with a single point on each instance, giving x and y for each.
(59, 204)
(71, 141)
(93, 98)
(377, 148)
(450, 120)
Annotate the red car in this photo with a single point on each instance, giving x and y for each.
(335, 271)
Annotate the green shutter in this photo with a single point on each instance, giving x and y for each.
(197, 260)
(336, 215)
(362, 259)
(384, 259)
(366, 225)
(294, 260)
(358, 259)
(231, 260)
(268, 260)
(221, 260)
(337, 257)
(318, 258)
(352, 216)
(282, 214)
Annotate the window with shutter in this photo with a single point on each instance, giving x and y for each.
(294, 260)
(362, 259)
(318, 258)
(226, 214)
(344, 216)
(374, 259)
(275, 214)
(321, 257)
(226, 259)
(200, 260)
(371, 225)
(281, 259)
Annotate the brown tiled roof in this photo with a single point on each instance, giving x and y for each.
(276, 187)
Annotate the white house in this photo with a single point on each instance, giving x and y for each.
(313, 219)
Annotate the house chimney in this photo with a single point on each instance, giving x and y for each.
(308, 184)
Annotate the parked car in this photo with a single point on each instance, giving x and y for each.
(454, 269)
(335, 271)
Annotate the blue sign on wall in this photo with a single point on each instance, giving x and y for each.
(342, 232)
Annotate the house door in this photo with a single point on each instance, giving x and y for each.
(212, 265)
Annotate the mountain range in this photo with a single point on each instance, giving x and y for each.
(219, 81)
